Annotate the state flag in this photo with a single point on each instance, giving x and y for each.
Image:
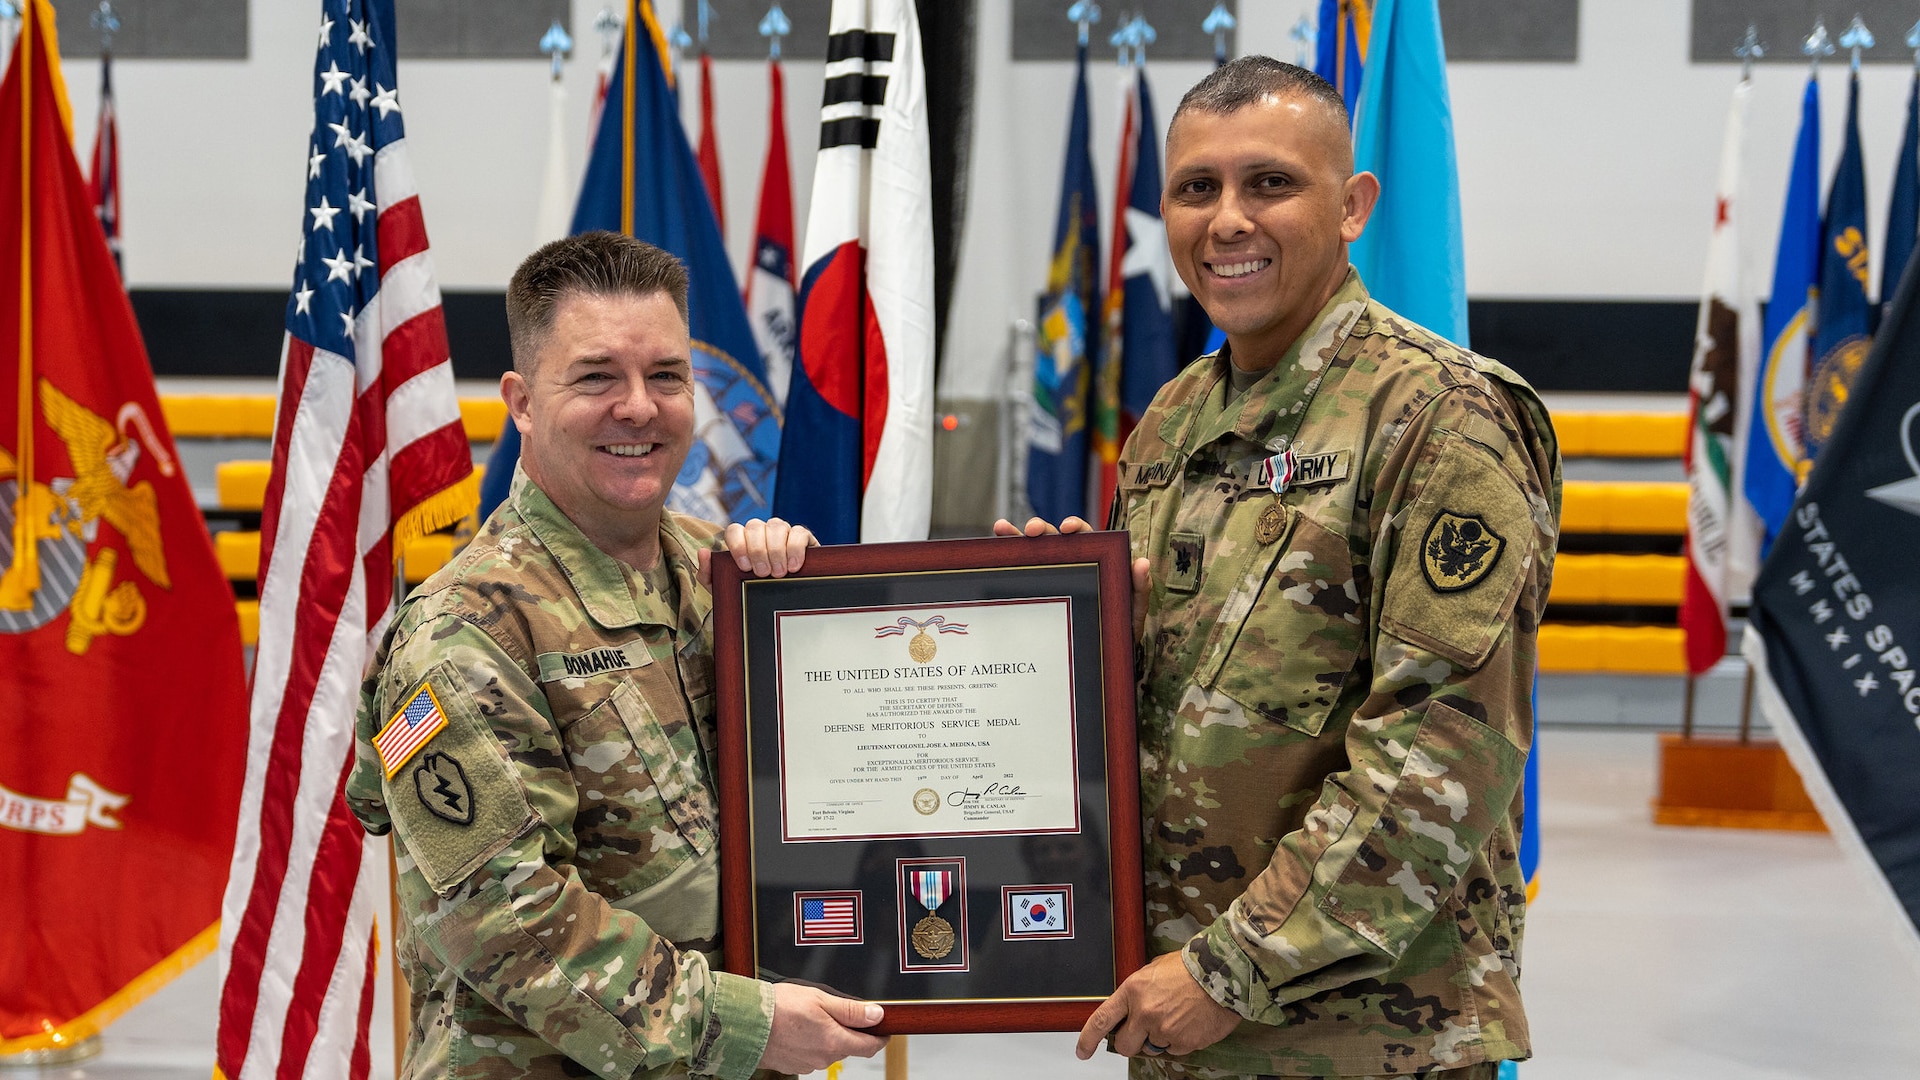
(1842, 331)
(1724, 345)
(1775, 435)
(1069, 334)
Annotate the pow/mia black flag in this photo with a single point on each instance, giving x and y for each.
(1835, 635)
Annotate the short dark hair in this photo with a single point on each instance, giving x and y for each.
(1239, 83)
(596, 263)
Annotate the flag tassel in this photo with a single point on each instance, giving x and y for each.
(435, 512)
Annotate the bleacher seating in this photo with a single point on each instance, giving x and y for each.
(1617, 580)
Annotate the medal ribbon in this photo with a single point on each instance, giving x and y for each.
(931, 887)
(1278, 471)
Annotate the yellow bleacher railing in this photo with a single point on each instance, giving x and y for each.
(250, 416)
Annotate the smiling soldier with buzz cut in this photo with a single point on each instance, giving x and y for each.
(1344, 529)
(538, 726)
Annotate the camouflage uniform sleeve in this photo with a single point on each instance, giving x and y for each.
(1463, 527)
(492, 892)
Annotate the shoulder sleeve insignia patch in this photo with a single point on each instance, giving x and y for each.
(1459, 551)
(456, 797)
(443, 788)
(412, 727)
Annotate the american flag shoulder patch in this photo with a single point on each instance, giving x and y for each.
(412, 727)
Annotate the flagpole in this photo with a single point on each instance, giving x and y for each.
(22, 578)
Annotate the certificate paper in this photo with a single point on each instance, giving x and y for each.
(932, 720)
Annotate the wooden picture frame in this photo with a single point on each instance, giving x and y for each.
(880, 813)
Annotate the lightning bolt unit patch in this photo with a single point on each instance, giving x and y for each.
(443, 789)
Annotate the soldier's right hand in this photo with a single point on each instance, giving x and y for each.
(1041, 527)
(812, 1029)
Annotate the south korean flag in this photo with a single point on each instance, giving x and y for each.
(1037, 911)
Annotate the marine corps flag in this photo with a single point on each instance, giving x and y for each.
(122, 699)
(1834, 634)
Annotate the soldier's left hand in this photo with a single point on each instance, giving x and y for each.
(770, 548)
(1160, 1009)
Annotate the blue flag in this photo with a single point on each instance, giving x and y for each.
(1150, 357)
(1340, 45)
(1069, 331)
(1411, 256)
(1903, 209)
(1834, 632)
(1775, 442)
(1842, 330)
(643, 179)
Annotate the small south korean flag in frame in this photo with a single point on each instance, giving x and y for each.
(1028, 912)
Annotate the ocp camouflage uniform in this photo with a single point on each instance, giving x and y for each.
(1334, 694)
(558, 871)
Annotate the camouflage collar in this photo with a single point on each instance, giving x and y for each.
(612, 594)
(1269, 413)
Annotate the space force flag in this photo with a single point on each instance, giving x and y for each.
(122, 699)
(1775, 442)
(642, 179)
(1069, 330)
(1834, 637)
(1724, 343)
(1843, 329)
(856, 457)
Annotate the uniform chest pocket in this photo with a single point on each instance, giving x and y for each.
(666, 741)
(1293, 647)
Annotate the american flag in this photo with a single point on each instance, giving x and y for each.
(829, 917)
(368, 452)
(417, 721)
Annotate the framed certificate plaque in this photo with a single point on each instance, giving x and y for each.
(928, 777)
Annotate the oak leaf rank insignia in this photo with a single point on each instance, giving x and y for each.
(1459, 551)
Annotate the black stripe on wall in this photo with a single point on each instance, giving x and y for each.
(1606, 345)
(239, 332)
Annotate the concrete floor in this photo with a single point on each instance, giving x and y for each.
(1664, 954)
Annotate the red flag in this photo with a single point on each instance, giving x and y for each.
(709, 148)
(122, 698)
(770, 286)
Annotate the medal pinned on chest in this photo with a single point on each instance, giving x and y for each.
(1276, 474)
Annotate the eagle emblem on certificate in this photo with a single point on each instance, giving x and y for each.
(922, 646)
